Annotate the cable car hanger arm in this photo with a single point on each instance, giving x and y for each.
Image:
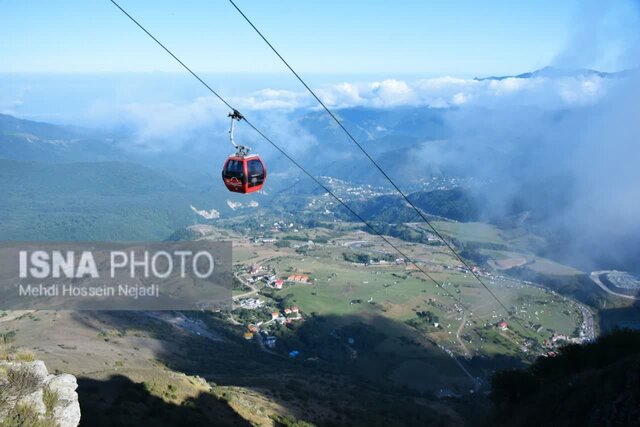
(241, 150)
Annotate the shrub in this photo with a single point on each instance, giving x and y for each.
(50, 399)
(21, 381)
(17, 383)
(8, 337)
(25, 356)
(25, 415)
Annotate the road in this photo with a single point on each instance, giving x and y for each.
(587, 328)
(458, 332)
(595, 277)
(253, 291)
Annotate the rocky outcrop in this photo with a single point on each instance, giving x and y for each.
(49, 396)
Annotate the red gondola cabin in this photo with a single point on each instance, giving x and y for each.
(244, 174)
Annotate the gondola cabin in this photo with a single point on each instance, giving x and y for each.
(244, 174)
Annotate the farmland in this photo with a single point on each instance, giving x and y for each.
(367, 315)
(408, 317)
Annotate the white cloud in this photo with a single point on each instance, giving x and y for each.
(10, 103)
(339, 94)
(582, 91)
(212, 214)
(460, 98)
(440, 92)
(168, 125)
(391, 93)
(269, 99)
(163, 125)
(445, 82)
(240, 205)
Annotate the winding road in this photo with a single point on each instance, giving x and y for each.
(595, 277)
(253, 291)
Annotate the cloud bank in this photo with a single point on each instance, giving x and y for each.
(169, 125)
(441, 92)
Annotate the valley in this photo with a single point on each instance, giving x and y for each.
(323, 309)
(351, 310)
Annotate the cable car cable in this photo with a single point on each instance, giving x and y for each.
(388, 178)
(299, 166)
(174, 57)
(292, 160)
(354, 213)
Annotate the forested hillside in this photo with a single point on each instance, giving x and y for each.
(597, 384)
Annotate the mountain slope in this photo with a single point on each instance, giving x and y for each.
(29, 140)
(457, 203)
(557, 72)
(596, 384)
(91, 201)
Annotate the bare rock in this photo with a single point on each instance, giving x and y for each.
(67, 410)
(29, 388)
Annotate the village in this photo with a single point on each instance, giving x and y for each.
(268, 313)
(287, 259)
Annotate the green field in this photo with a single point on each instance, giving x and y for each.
(477, 232)
(342, 290)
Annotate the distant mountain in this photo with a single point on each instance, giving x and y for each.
(458, 204)
(366, 123)
(394, 137)
(70, 183)
(22, 139)
(552, 72)
(28, 140)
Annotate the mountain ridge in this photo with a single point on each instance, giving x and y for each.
(552, 72)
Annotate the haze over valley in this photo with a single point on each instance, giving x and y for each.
(507, 281)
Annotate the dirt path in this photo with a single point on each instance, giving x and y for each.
(458, 332)
(253, 291)
(12, 315)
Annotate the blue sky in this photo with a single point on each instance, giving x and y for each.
(346, 37)
(84, 62)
